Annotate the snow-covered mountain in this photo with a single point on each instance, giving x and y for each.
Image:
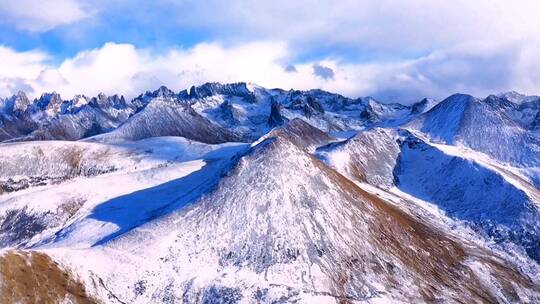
(234, 193)
(483, 127)
(525, 110)
(51, 118)
(490, 199)
(166, 117)
(237, 111)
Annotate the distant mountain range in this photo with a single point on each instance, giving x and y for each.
(234, 193)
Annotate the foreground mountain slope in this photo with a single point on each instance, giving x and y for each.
(59, 186)
(302, 234)
(33, 277)
(442, 210)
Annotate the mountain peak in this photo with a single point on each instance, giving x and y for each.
(460, 97)
(50, 101)
(20, 102)
(301, 133)
(423, 105)
(163, 92)
(240, 89)
(517, 98)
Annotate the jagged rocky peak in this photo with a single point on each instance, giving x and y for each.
(164, 92)
(306, 103)
(373, 110)
(79, 100)
(275, 119)
(47, 98)
(239, 89)
(499, 102)
(19, 102)
(516, 97)
(50, 102)
(100, 99)
(423, 105)
(115, 101)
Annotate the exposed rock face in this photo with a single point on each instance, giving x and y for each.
(275, 119)
(51, 103)
(301, 134)
(20, 103)
(212, 89)
(33, 277)
(535, 124)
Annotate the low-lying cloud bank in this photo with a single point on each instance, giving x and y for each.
(127, 70)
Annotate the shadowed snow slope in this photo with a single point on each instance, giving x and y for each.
(148, 178)
(301, 234)
(470, 191)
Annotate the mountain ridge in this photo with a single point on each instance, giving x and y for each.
(238, 193)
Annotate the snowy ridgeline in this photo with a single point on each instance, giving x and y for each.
(236, 193)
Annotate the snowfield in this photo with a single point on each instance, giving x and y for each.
(233, 193)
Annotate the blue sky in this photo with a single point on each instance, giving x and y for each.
(394, 50)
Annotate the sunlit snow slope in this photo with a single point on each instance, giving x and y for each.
(234, 193)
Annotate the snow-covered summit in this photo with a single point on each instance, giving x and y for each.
(463, 119)
(517, 98)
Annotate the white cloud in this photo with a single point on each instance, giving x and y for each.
(17, 68)
(408, 49)
(368, 25)
(125, 69)
(40, 15)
